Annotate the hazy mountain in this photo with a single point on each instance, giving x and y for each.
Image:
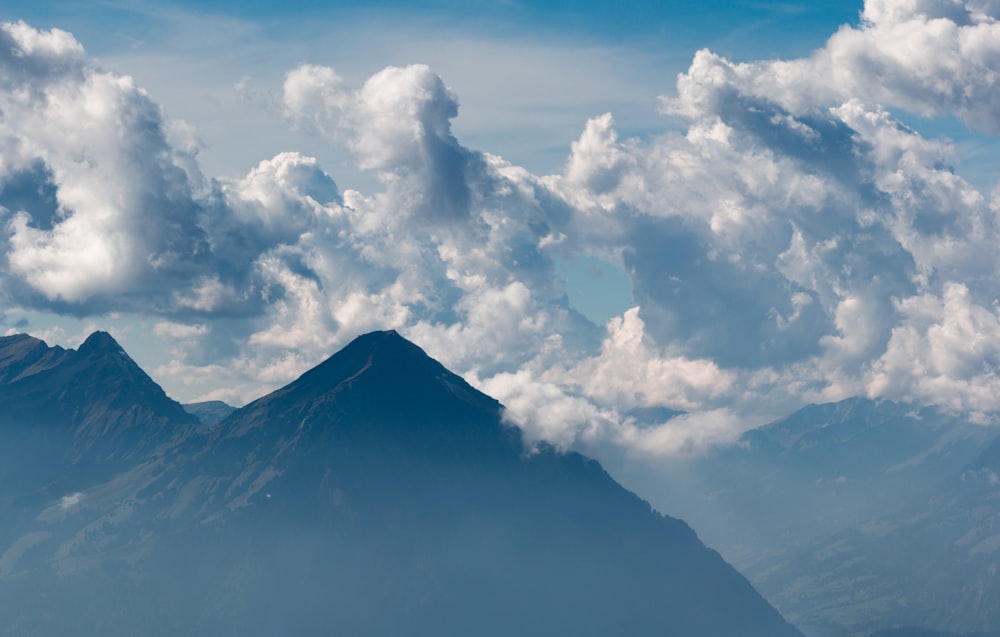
(823, 468)
(210, 411)
(378, 494)
(918, 547)
(934, 563)
(772, 502)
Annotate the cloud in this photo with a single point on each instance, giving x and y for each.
(554, 413)
(933, 57)
(100, 142)
(112, 221)
(70, 501)
(105, 207)
(795, 240)
(546, 411)
(787, 235)
(283, 197)
(946, 351)
(686, 434)
(398, 124)
(165, 329)
(630, 372)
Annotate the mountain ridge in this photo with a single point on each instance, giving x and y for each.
(376, 494)
(84, 412)
(63, 384)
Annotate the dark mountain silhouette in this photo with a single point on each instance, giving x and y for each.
(378, 494)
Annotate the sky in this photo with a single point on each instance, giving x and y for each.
(604, 216)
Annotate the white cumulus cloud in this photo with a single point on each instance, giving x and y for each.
(795, 240)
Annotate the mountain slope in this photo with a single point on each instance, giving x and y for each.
(822, 468)
(71, 419)
(378, 494)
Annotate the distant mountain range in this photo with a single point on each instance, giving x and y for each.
(209, 412)
(931, 561)
(855, 516)
(378, 494)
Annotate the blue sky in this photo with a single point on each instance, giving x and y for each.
(729, 209)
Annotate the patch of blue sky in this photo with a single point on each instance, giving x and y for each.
(596, 288)
(976, 156)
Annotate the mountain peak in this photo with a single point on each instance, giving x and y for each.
(94, 397)
(18, 338)
(100, 342)
(19, 352)
(16, 346)
(382, 334)
(387, 351)
(389, 379)
(381, 339)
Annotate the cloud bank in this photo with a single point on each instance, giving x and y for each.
(796, 242)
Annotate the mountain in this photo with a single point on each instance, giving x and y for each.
(210, 411)
(95, 392)
(857, 516)
(823, 468)
(797, 506)
(378, 494)
(85, 411)
(933, 562)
